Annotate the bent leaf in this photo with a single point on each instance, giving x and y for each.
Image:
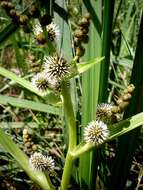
(116, 130)
(23, 161)
(84, 66)
(125, 126)
(26, 84)
(51, 97)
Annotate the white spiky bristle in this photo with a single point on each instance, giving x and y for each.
(37, 29)
(53, 31)
(40, 162)
(43, 82)
(56, 66)
(40, 81)
(104, 112)
(96, 132)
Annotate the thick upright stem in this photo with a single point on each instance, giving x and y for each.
(67, 172)
(68, 107)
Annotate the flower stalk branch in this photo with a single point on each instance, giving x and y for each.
(51, 187)
(76, 153)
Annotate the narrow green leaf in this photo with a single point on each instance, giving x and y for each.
(7, 125)
(26, 84)
(116, 130)
(7, 32)
(128, 143)
(22, 103)
(126, 126)
(127, 29)
(90, 90)
(51, 97)
(22, 159)
(106, 45)
(19, 58)
(84, 66)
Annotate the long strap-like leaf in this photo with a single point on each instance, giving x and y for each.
(128, 143)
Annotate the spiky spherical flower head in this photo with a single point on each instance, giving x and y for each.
(104, 112)
(39, 35)
(54, 83)
(96, 132)
(42, 163)
(53, 32)
(42, 81)
(56, 67)
(37, 29)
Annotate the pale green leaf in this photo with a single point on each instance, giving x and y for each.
(51, 97)
(23, 161)
(14, 125)
(126, 126)
(26, 84)
(84, 66)
(116, 130)
(22, 103)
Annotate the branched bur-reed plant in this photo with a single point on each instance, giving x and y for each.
(53, 79)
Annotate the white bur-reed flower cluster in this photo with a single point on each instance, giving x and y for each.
(104, 112)
(56, 67)
(37, 29)
(96, 132)
(40, 162)
(52, 30)
(55, 70)
(42, 81)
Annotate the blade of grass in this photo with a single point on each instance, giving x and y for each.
(7, 125)
(84, 66)
(125, 47)
(106, 44)
(116, 130)
(108, 13)
(125, 126)
(7, 32)
(128, 143)
(51, 97)
(127, 28)
(12, 83)
(26, 84)
(90, 89)
(22, 103)
(19, 59)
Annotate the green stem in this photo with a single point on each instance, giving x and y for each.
(68, 107)
(82, 150)
(67, 172)
(50, 187)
